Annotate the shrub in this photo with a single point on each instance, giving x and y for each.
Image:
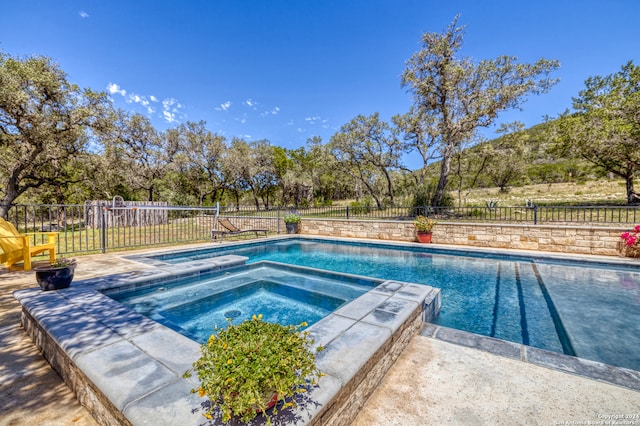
(243, 366)
(632, 238)
(292, 218)
(424, 224)
(361, 207)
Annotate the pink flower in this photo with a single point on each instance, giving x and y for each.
(632, 238)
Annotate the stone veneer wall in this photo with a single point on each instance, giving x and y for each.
(554, 238)
(89, 396)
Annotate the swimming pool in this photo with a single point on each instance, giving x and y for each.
(195, 305)
(578, 308)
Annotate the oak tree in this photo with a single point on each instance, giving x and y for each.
(45, 123)
(453, 95)
(604, 127)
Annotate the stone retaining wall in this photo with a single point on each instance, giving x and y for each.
(554, 238)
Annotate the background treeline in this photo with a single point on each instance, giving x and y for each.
(60, 143)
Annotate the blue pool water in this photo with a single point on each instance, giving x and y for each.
(196, 305)
(584, 309)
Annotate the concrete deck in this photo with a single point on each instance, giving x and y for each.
(433, 382)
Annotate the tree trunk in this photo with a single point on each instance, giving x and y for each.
(11, 193)
(389, 187)
(632, 196)
(373, 194)
(4, 211)
(445, 169)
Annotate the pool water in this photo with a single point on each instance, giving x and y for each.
(195, 306)
(577, 308)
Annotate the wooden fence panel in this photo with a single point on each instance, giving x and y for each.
(127, 214)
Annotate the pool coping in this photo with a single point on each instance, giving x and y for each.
(582, 367)
(119, 365)
(620, 261)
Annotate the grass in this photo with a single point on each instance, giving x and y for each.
(589, 193)
(89, 240)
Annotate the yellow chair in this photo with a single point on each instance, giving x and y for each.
(17, 247)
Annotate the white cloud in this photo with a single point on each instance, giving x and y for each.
(313, 120)
(224, 107)
(251, 104)
(113, 88)
(171, 108)
(83, 14)
(169, 116)
(142, 100)
(273, 111)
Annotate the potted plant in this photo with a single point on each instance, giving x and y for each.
(57, 275)
(292, 222)
(249, 368)
(424, 227)
(631, 242)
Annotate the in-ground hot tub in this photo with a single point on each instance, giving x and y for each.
(127, 368)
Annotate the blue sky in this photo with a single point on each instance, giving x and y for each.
(289, 70)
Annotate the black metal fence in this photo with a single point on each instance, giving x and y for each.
(97, 227)
(586, 215)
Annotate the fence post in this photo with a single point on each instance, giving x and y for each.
(103, 229)
(347, 210)
(535, 214)
(278, 221)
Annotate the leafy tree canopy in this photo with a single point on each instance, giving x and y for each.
(604, 127)
(44, 125)
(454, 96)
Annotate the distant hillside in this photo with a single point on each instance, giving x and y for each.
(542, 164)
(574, 193)
(546, 166)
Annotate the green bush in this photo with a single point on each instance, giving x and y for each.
(292, 218)
(244, 366)
(360, 207)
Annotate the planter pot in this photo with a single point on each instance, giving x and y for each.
(272, 402)
(424, 236)
(50, 278)
(270, 399)
(292, 228)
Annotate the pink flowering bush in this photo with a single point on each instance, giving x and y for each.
(632, 238)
